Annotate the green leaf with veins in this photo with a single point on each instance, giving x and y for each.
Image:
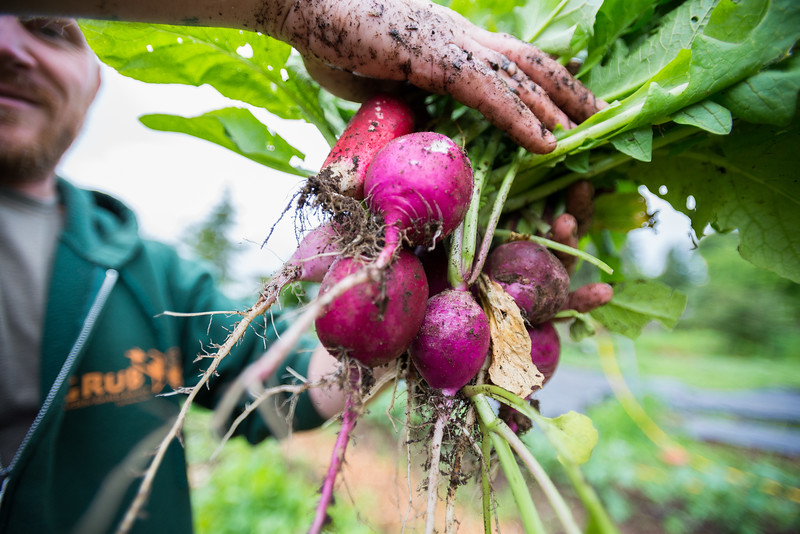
(619, 212)
(636, 303)
(241, 65)
(613, 19)
(637, 143)
(748, 180)
(706, 115)
(691, 76)
(560, 27)
(496, 15)
(235, 129)
(629, 66)
(768, 97)
(733, 20)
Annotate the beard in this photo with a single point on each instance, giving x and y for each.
(28, 156)
(22, 163)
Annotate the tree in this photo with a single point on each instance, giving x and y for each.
(209, 239)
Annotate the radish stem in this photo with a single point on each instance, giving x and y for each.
(530, 518)
(585, 492)
(531, 521)
(497, 210)
(481, 171)
(486, 483)
(553, 495)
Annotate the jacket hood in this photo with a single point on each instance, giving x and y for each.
(97, 226)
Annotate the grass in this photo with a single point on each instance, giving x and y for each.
(712, 488)
(253, 489)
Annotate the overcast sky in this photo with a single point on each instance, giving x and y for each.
(172, 180)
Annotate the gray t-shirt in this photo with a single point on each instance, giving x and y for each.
(29, 231)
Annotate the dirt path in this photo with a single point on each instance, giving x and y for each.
(378, 487)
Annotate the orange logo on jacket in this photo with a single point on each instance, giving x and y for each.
(147, 375)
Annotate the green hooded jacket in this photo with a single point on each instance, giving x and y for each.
(107, 355)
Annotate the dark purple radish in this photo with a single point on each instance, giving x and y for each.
(533, 276)
(435, 263)
(375, 321)
(545, 348)
(421, 183)
(315, 253)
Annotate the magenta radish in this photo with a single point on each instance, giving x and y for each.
(533, 276)
(452, 343)
(545, 348)
(374, 322)
(379, 120)
(421, 183)
(448, 352)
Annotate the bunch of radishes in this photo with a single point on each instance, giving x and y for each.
(419, 185)
(378, 304)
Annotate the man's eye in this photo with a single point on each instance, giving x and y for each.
(51, 29)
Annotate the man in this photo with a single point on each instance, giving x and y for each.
(79, 288)
(84, 351)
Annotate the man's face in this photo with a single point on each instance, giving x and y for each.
(48, 78)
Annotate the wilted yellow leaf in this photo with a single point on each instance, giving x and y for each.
(511, 367)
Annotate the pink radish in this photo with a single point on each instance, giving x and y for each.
(315, 253)
(421, 183)
(379, 120)
(374, 322)
(533, 276)
(588, 297)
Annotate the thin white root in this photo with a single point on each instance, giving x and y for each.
(433, 473)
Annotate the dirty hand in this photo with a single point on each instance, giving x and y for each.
(516, 86)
